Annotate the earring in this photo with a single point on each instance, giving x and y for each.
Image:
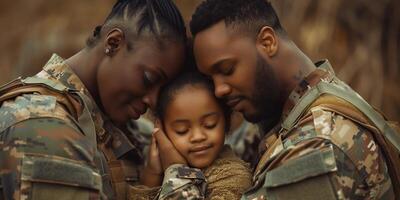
(107, 51)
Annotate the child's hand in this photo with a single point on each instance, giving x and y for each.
(154, 162)
(153, 172)
(168, 153)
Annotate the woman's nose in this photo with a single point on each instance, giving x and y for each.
(150, 99)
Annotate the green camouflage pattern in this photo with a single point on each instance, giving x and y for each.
(47, 153)
(361, 170)
(244, 141)
(183, 182)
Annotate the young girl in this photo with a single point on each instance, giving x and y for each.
(195, 121)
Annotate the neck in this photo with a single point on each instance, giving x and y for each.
(295, 67)
(85, 64)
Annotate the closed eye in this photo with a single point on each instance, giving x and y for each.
(210, 126)
(149, 79)
(227, 70)
(181, 132)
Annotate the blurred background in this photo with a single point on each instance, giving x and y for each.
(361, 38)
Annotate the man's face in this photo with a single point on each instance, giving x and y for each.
(240, 73)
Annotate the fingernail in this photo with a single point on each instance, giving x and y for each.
(156, 130)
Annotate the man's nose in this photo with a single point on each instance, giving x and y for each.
(221, 88)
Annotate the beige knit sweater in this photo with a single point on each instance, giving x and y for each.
(227, 177)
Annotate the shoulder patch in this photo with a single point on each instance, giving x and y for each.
(310, 165)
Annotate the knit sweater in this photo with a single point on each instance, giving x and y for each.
(227, 177)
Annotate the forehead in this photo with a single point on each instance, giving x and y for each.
(219, 42)
(191, 102)
(168, 59)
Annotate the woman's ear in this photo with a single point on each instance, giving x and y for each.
(114, 41)
(267, 40)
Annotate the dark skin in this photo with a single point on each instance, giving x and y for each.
(116, 80)
(220, 49)
(125, 83)
(162, 154)
(229, 57)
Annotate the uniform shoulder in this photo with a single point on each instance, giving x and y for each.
(42, 150)
(30, 106)
(46, 136)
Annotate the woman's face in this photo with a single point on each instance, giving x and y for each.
(195, 124)
(129, 81)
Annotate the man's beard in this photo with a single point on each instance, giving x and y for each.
(266, 97)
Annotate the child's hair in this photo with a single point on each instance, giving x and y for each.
(189, 78)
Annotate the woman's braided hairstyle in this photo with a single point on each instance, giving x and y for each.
(159, 18)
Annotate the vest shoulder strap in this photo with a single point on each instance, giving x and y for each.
(341, 90)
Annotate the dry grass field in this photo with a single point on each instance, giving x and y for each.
(361, 38)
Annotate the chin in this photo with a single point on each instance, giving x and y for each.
(200, 165)
(119, 119)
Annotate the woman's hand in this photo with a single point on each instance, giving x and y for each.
(153, 172)
(169, 155)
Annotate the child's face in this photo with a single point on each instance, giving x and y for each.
(195, 124)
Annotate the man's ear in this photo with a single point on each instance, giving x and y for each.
(114, 41)
(268, 41)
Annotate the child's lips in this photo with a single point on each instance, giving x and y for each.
(201, 149)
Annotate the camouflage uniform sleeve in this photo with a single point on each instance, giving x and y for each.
(362, 172)
(183, 182)
(45, 158)
(142, 192)
(325, 157)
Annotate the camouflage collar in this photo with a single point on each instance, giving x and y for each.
(57, 70)
(323, 72)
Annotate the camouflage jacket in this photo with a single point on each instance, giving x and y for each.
(47, 152)
(244, 141)
(325, 155)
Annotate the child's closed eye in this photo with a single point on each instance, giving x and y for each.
(180, 127)
(181, 132)
(210, 125)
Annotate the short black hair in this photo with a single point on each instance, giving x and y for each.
(161, 18)
(247, 15)
(189, 78)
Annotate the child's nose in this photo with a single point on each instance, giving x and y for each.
(197, 135)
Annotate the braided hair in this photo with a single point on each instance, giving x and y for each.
(160, 19)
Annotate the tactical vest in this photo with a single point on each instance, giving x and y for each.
(351, 105)
(122, 171)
